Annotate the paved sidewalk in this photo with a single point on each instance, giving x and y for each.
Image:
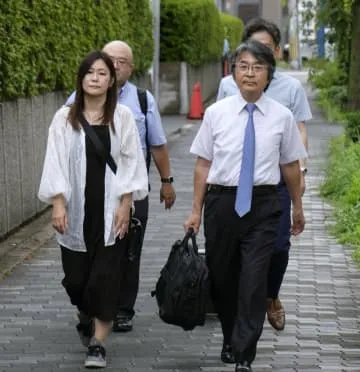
(321, 294)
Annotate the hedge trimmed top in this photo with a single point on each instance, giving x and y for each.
(43, 41)
(193, 31)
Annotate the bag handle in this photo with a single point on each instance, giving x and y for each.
(105, 155)
(190, 234)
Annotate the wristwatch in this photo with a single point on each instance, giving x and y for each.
(167, 180)
(304, 170)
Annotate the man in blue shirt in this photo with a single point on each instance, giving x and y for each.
(289, 92)
(151, 133)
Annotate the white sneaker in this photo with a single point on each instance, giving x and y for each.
(96, 355)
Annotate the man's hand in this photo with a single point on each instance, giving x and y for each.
(167, 195)
(59, 218)
(298, 221)
(193, 221)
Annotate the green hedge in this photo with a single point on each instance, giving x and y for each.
(42, 41)
(191, 31)
(233, 29)
(342, 188)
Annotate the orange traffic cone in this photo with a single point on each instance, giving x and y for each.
(196, 107)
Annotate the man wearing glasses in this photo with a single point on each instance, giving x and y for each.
(289, 92)
(239, 146)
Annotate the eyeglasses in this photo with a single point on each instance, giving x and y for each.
(119, 61)
(245, 67)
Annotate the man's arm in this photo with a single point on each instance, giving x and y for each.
(304, 138)
(159, 151)
(201, 172)
(161, 159)
(291, 173)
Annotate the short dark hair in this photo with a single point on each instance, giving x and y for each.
(260, 25)
(77, 107)
(260, 51)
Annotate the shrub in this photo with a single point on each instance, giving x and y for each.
(42, 42)
(233, 29)
(342, 187)
(191, 31)
(328, 76)
(352, 125)
(342, 164)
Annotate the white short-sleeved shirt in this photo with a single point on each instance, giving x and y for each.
(221, 136)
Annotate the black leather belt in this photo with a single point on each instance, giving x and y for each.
(260, 189)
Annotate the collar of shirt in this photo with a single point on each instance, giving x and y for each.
(124, 89)
(276, 75)
(260, 103)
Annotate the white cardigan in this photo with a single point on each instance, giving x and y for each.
(64, 172)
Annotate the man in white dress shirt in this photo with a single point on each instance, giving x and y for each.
(239, 146)
(288, 91)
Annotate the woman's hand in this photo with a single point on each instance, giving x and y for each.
(122, 216)
(59, 218)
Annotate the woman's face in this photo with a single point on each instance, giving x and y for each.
(97, 80)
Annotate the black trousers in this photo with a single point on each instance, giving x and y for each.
(131, 268)
(238, 252)
(280, 258)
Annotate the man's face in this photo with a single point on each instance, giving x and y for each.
(266, 39)
(251, 76)
(123, 62)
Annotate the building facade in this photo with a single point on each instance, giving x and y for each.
(269, 9)
(228, 6)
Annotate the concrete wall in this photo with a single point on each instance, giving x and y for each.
(174, 77)
(23, 133)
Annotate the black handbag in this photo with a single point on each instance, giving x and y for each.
(135, 227)
(183, 287)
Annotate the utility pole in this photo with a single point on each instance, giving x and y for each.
(320, 35)
(156, 62)
(298, 34)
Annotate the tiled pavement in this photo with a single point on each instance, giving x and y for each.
(321, 294)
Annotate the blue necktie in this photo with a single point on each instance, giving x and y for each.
(246, 179)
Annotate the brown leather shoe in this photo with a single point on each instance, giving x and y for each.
(276, 314)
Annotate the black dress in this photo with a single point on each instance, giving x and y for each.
(93, 279)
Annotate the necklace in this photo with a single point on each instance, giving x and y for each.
(94, 117)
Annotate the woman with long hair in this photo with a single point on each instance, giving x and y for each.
(92, 204)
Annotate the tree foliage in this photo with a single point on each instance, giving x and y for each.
(42, 41)
(233, 29)
(336, 14)
(191, 31)
(342, 16)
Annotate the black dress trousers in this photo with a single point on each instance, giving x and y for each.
(238, 252)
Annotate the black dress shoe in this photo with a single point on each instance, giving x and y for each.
(227, 355)
(243, 367)
(122, 324)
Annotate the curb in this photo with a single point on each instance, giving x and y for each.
(24, 243)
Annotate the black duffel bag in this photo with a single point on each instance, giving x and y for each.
(183, 286)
